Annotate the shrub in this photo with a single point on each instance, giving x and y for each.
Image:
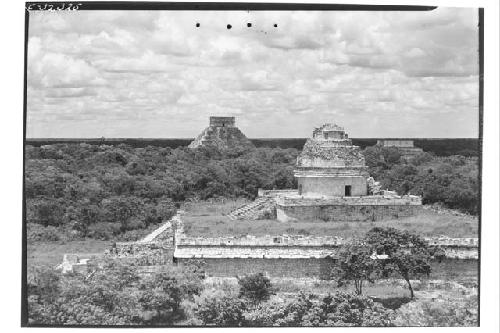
(442, 312)
(256, 287)
(37, 232)
(340, 309)
(114, 294)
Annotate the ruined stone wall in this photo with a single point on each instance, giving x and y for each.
(153, 253)
(343, 213)
(296, 268)
(302, 256)
(295, 247)
(332, 186)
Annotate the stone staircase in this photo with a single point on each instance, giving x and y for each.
(166, 227)
(254, 210)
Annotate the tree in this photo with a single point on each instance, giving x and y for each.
(355, 264)
(160, 298)
(408, 254)
(256, 287)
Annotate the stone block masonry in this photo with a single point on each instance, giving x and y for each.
(363, 208)
(307, 268)
(295, 247)
(298, 256)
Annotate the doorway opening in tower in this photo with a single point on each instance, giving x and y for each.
(348, 190)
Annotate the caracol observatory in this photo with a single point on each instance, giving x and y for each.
(330, 165)
(333, 185)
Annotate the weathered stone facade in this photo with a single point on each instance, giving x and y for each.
(294, 256)
(295, 247)
(365, 208)
(329, 165)
(300, 268)
(222, 133)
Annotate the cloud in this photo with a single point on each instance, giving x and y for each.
(59, 70)
(154, 73)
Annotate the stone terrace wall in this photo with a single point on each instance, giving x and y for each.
(369, 200)
(363, 208)
(295, 247)
(344, 213)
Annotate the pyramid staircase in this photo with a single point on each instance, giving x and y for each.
(254, 210)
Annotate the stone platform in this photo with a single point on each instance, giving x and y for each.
(370, 208)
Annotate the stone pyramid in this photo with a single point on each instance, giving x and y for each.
(222, 134)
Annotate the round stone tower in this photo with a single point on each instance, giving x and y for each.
(330, 166)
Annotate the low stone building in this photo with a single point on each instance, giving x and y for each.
(405, 146)
(222, 133)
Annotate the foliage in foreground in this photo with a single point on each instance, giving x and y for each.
(113, 294)
(339, 309)
(440, 312)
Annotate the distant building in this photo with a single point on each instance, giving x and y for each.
(221, 133)
(398, 143)
(405, 146)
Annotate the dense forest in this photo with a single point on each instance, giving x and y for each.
(439, 147)
(79, 190)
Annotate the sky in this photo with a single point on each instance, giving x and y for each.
(154, 74)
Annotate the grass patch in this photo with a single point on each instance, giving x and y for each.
(51, 253)
(210, 220)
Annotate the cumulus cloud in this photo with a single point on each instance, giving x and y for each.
(155, 74)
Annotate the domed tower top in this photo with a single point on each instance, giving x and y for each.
(331, 132)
